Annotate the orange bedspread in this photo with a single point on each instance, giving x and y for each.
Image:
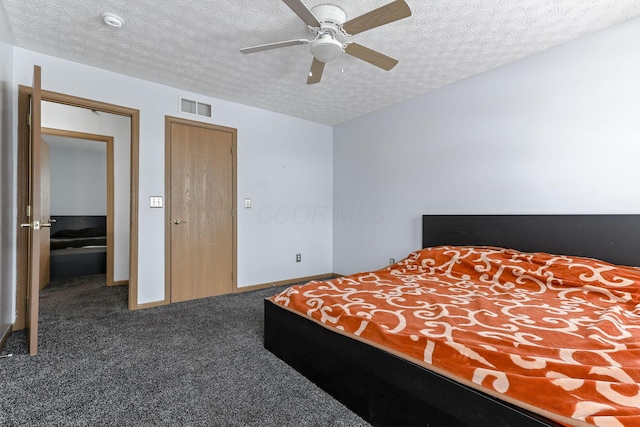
(561, 334)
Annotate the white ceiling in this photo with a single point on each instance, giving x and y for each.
(194, 45)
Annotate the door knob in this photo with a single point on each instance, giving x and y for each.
(36, 225)
(179, 221)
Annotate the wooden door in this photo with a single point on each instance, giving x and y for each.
(34, 213)
(201, 200)
(45, 206)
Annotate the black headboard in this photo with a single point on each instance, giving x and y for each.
(78, 222)
(612, 238)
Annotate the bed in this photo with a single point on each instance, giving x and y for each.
(78, 245)
(386, 386)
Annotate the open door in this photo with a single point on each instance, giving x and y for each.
(45, 209)
(34, 213)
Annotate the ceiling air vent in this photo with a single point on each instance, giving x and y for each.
(189, 106)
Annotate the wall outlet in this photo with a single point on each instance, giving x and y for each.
(392, 261)
(298, 257)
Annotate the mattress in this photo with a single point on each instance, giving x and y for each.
(56, 244)
(555, 334)
(78, 238)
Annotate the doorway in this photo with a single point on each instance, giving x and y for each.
(81, 190)
(200, 228)
(22, 241)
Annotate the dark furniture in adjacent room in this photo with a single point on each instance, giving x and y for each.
(78, 245)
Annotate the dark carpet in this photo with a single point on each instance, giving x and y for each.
(198, 363)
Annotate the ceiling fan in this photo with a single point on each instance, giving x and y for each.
(330, 29)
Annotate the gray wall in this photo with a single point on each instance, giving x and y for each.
(78, 181)
(7, 190)
(556, 132)
(284, 166)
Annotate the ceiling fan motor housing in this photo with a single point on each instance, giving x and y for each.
(326, 47)
(328, 14)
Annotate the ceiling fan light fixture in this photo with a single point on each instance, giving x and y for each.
(326, 48)
(112, 20)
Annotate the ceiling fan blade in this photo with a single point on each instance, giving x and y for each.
(317, 67)
(391, 12)
(371, 56)
(303, 12)
(276, 45)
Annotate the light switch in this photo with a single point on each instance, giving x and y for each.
(247, 203)
(155, 201)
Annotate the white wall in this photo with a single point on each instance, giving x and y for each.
(557, 132)
(65, 117)
(282, 162)
(7, 179)
(78, 181)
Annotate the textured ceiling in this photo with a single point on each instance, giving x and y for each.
(194, 45)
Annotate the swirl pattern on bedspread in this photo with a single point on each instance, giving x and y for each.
(559, 333)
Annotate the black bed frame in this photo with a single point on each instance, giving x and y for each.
(611, 238)
(77, 263)
(386, 390)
